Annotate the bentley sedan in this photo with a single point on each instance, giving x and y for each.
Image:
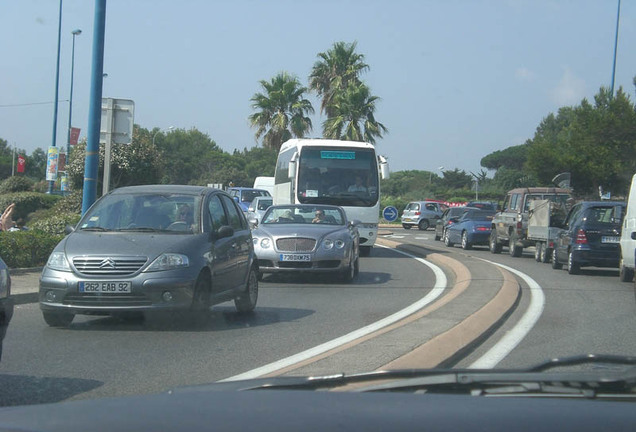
(148, 249)
(307, 238)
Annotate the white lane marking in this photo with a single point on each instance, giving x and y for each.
(510, 341)
(395, 236)
(438, 289)
(422, 238)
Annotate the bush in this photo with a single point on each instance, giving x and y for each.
(22, 249)
(27, 202)
(16, 184)
(55, 224)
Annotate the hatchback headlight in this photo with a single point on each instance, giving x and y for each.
(168, 261)
(58, 261)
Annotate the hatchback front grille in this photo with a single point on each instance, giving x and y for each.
(295, 244)
(109, 266)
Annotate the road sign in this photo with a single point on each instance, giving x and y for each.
(390, 213)
(117, 121)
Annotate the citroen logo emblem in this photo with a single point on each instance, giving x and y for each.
(107, 263)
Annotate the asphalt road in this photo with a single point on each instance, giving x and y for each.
(104, 356)
(588, 313)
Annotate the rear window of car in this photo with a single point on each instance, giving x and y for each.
(602, 215)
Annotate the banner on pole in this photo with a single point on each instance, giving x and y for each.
(21, 163)
(75, 133)
(51, 163)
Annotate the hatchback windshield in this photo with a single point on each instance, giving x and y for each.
(130, 212)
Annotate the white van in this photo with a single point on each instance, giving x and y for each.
(266, 183)
(628, 236)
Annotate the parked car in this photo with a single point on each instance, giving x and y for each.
(628, 237)
(6, 302)
(471, 228)
(442, 223)
(590, 237)
(152, 248)
(422, 214)
(257, 208)
(307, 238)
(244, 196)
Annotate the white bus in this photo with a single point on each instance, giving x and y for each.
(343, 173)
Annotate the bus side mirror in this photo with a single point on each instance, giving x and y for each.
(291, 168)
(384, 167)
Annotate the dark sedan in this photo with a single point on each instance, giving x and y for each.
(590, 237)
(442, 223)
(472, 228)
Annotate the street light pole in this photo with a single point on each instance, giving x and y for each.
(57, 82)
(157, 133)
(70, 98)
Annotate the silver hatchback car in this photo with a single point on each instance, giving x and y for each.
(152, 248)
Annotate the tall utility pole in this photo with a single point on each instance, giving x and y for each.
(70, 99)
(57, 85)
(618, 18)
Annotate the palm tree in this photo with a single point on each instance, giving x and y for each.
(281, 111)
(336, 69)
(352, 116)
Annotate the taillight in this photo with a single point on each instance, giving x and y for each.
(581, 238)
(418, 213)
(483, 229)
(519, 225)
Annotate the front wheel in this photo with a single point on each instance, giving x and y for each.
(447, 240)
(493, 244)
(247, 300)
(58, 319)
(201, 297)
(546, 254)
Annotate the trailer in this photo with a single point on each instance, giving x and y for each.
(545, 221)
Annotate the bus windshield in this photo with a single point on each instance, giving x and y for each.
(338, 176)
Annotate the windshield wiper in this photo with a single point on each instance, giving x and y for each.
(539, 380)
(95, 228)
(143, 229)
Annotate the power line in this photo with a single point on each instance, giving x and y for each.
(32, 103)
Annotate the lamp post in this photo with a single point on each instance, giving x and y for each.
(70, 98)
(157, 133)
(57, 81)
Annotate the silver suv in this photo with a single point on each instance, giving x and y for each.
(422, 214)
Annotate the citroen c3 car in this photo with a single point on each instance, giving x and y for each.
(152, 248)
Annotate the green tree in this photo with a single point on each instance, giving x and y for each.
(352, 116)
(335, 71)
(512, 157)
(281, 111)
(6, 159)
(35, 166)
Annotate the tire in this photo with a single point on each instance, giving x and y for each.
(58, 319)
(201, 296)
(555, 261)
(573, 267)
(437, 237)
(356, 266)
(493, 244)
(247, 301)
(466, 245)
(365, 251)
(625, 274)
(513, 249)
(447, 241)
(349, 273)
(405, 226)
(423, 225)
(538, 249)
(546, 254)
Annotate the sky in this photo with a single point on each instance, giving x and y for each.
(457, 79)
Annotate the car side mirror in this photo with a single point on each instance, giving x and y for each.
(225, 231)
(253, 221)
(354, 222)
(68, 229)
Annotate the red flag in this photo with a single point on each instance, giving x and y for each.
(21, 163)
(75, 132)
